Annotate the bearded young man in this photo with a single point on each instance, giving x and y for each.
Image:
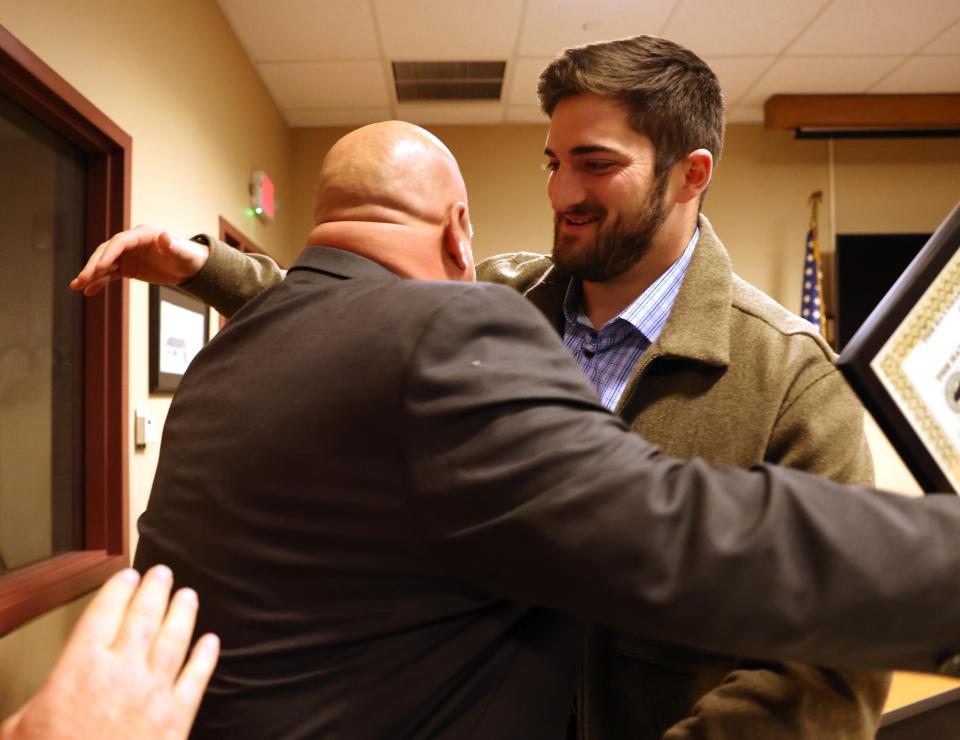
(692, 357)
(688, 354)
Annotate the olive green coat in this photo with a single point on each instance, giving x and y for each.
(736, 379)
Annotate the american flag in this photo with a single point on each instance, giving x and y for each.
(811, 306)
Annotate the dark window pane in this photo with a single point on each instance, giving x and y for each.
(42, 193)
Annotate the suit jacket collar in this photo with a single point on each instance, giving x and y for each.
(698, 328)
(341, 263)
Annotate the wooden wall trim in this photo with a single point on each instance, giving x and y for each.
(236, 238)
(29, 591)
(34, 589)
(862, 111)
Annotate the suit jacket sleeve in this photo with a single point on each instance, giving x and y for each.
(230, 277)
(819, 430)
(524, 487)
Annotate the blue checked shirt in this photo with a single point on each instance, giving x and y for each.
(608, 356)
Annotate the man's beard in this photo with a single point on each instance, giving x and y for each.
(617, 246)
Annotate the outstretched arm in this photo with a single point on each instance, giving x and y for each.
(532, 491)
(218, 274)
(122, 673)
(144, 253)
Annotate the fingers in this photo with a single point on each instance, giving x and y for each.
(145, 613)
(105, 257)
(170, 647)
(184, 257)
(100, 622)
(195, 676)
(100, 283)
(85, 275)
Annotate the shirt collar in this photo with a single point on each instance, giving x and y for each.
(649, 312)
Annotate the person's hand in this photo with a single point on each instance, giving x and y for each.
(145, 253)
(120, 674)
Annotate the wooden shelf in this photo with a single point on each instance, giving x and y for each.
(864, 112)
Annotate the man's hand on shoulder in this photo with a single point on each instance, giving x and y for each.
(122, 673)
(144, 253)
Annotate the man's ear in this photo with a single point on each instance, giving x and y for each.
(697, 168)
(457, 238)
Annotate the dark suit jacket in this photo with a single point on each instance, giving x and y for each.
(390, 494)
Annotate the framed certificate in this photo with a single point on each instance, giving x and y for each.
(904, 362)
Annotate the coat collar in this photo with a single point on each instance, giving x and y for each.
(341, 263)
(698, 328)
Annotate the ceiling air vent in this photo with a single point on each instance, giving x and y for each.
(432, 81)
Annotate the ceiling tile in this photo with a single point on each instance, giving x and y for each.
(934, 74)
(426, 114)
(327, 61)
(526, 114)
(812, 75)
(737, 74)
(523, 87)
(947, 43)
(744, 114)
(552, 25)
(326, 84)
(303, 30)
(312, 117)
(739, 27)
(876, 26)
(456, 30)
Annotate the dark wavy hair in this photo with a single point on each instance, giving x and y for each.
(669, 93)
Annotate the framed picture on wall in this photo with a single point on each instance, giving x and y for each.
(179, 327)
(904, 361)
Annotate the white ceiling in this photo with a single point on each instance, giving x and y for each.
(327, 62)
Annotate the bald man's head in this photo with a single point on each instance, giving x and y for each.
(393, 192)
(390, 171)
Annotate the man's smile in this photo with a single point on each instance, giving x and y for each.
(573, 223)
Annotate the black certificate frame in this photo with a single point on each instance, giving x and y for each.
(161, 382)
(885, 319)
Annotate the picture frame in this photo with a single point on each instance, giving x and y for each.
(904, 361)
(179, 327)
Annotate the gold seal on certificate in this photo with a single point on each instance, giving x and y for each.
(953, 393)
(904, 362)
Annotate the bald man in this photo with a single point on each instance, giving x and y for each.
(400, 500)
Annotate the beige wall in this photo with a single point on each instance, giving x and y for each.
(172, 75)
(757, 203)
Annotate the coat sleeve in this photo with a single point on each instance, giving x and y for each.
(819, 430)
(230, 277)
(522, 486)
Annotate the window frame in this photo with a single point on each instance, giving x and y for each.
(39, 587)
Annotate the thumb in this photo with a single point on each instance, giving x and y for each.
(184, 256)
